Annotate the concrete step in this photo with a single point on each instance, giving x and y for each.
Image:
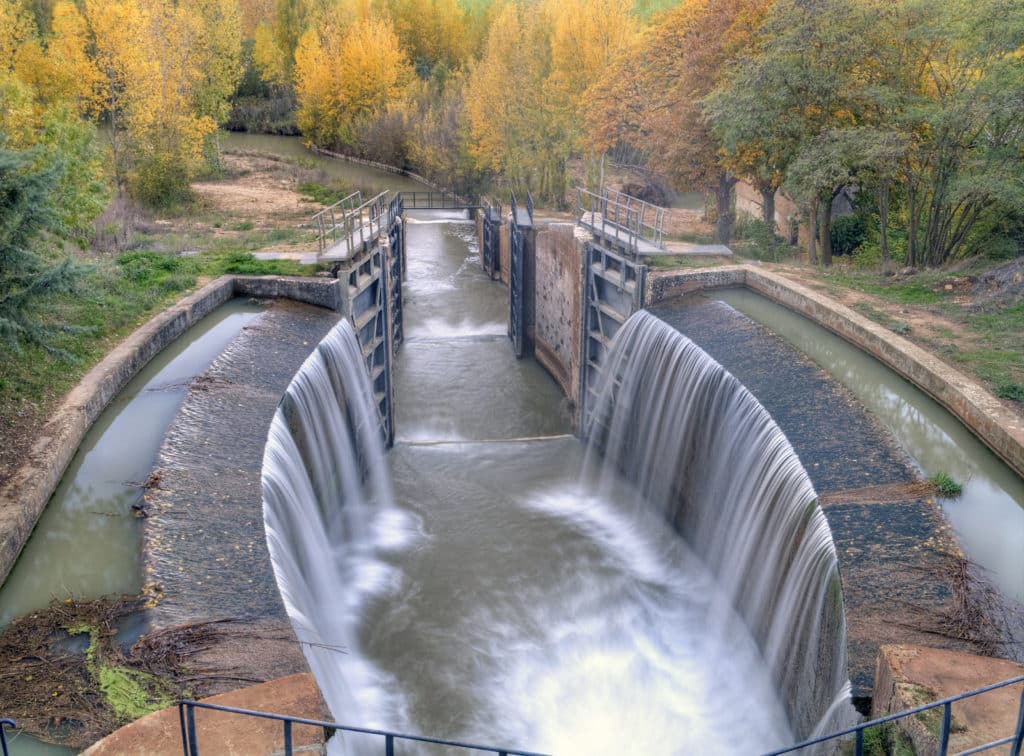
(224, 734)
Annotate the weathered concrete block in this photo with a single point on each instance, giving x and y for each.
(911, 676)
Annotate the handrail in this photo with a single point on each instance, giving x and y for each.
(4, 724)
(857, 731)
(186, 715)
(615, 213)
(436, 201)
(359, 222)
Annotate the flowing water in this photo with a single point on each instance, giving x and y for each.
(370, 180)
(988, 516)
(87, 541)
(493, 587)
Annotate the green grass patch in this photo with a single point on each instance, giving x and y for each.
(1010, 390)
(671, 262)
(896, 326)
(884, 740)
(945, 485)
(918, 289)
(325, 194)
(114, 297)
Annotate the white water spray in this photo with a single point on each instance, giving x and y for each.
(704, 451)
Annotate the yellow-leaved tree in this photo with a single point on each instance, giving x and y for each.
(167, 71)
(346, 76)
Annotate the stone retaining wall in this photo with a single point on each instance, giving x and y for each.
(999, 428)
(25, 495)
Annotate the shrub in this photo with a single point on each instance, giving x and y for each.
(847, 233)
(161, 181)
(753, 238)
(946, 485)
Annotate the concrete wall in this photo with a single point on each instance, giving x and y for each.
(558, 304)
(24, 497)
(1000, 429)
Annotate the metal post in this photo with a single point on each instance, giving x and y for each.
(190, 717)
(181, 721)
(858, 748)
(947, 719)
(287, 737)
(389, 745)
(5, 723)
(1018, 738)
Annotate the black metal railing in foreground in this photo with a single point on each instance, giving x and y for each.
(4, 724)
(946, 704)
(187, 716)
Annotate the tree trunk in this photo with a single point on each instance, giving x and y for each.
(913, 219)
(883, 226)
(826, 232)
(768, 205)
(812, 241)
(723, 206)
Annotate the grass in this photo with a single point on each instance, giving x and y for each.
(1010, 390)
(670, 262)
(885, 740)
(114, 297)
(991, 345)
(325, 194)
(945, 485)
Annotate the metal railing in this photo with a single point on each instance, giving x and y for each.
(186, 715)
(352, 221)
(1014, 740)
(4, 724)
(435, 201)
(622, 217)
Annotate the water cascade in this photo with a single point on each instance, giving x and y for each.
(325, 492)
(481, 582)
(703, 450)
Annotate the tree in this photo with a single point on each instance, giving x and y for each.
(965, 119)
(513, 131)
(167, 69)
(27, 212)
(651, 96)
(432, 33)
(802, 79)
(345, 77)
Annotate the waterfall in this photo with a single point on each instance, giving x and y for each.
(704, 451)
(329, 517)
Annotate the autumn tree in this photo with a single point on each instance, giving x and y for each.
(45, 96)
(167, 70)
(964, 120)
(346, 76)
(651, 96)
(432, 33)
(799, 81)
(512, 131)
